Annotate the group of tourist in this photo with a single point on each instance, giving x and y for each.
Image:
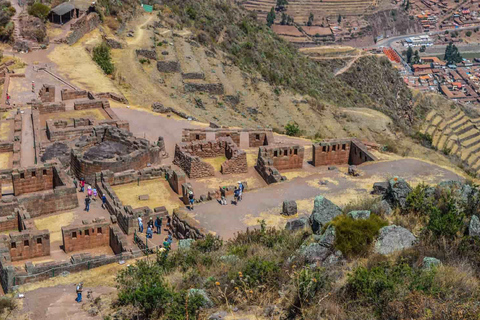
(157, 224)
(92, 194)
(237, 194)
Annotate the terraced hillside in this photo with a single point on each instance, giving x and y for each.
(301, 9)
(457, 135)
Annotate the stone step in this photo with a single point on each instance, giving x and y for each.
(459, 124)
(471, 142)
(467, 133)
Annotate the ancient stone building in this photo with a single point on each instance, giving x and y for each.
(340, 151)
(109, 148)
(86, 236)
(188, 157)
(272, 159)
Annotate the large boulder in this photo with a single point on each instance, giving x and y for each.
(315, 253)
(185, 244)
(359, 214)
(207, 302)
(289, 208)
(398, 191)
(382, 207)
(323, 212)
(394, 238)
(296, 224)
(380, 188)
(429, 262)
(327, 239)
(474, 227)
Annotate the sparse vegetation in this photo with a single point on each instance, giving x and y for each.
(101, 55)
(39, 10)
(292, 129)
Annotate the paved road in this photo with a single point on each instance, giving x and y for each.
(388, 42)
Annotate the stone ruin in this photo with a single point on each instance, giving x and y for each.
(272, 159)
(256, 137)
(340, 151)
(188, 156)
(110, 148)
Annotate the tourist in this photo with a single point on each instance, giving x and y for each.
(170, 238)
(166, 244)
(169, 220)
(236, 195)
(150, 223)
(95, 194)
(240, 193)
(75, 183)
(82, 185)
(8, 100)
(104, 201)
(149, 232)
(191, 199)
(79, 290)
(87, 203)
(89, 191)
(158, 224)
(223, 200)
(33, 86)
(140, 224)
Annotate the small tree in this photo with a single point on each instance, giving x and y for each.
(281, 4)
(39, 10)
(310, 19)
(271, 17)
(292, 129)
(416, 57)
(101, 55)
(468, 33)
(409, 54)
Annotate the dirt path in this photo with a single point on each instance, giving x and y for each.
(55, 303)
(349, 64)
(265, 203)
(27, 149)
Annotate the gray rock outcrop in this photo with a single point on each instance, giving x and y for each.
(323, 212)
(429, 262)
(474, 227)
(207, 302)
(359, 214)
(296, 224)
(397, 192)
(394, 238)
(382, 207)
(289, 208)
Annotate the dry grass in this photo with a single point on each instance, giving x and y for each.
(52, 31)
(75, 63)
(252, 159)
(214, 182)
(158, 190)
(6, 160)
(101, 276)
(70, 115)
(54, 224)
(297, 173)
(18, 63)
(216, 162)
(5, 129)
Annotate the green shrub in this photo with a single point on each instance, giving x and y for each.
(445, 220)
(260, 271)
(292, 129)
(354, 237)
(382, 283)
(101, 55)
(468, 33)
(209, 244)
(418, 202)
(39, 10)
(143, 286)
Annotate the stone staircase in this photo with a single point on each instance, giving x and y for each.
(21, 43)
(458, 135)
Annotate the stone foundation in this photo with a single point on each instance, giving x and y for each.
(69, 94)
(272, 159)
(88, 236)
(211, 88)
(47, 93)
(185, 227)
(168, 66)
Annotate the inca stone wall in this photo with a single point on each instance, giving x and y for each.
(184, 227)
(212, 88)
(27, 244)
(168, 66)
(48, 107)
(340, 151)
(272, 159)
(141, 153)
(82, 26)
(47, 93)
(91, 104)
(69, 94)
(188, 157)
(149, 54)
(88, 236)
